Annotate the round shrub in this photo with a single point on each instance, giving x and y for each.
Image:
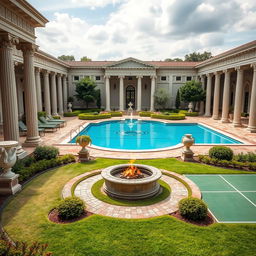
(45, 152)
(221, 153)
(70, 208)
(193, 208)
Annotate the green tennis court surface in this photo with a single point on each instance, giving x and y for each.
(230, 198)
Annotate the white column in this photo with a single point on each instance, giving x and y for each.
(139, 93)
(33, 138)
(216, 99)
(152, 94)
(38, 90)
(121, 93)
(54, 94)
(238, 97)
(226, 97)
(47, 99)
(65, 93)
(252, 113)
(201, 110)
(60, 94)
(107, 93)
(208, 95)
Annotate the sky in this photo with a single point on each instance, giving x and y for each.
(144, 29)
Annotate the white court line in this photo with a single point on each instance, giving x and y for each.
(221, 174)
(239, 221)
(238, 191)
(215, 191)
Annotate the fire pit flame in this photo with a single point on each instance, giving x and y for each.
(131, 172)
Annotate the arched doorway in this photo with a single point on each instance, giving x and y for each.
(130, 96)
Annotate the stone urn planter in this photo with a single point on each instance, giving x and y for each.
(190, 107)
(187, 153)
(9, 184)
(83, 141)
(70, 107)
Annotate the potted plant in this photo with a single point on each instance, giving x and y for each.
(83, 141)
(70, 101)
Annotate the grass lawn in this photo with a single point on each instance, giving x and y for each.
(25, 218)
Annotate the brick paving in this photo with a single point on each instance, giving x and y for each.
(166, 206)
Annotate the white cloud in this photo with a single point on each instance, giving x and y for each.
(149, 29)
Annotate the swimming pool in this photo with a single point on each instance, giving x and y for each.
(149, 135)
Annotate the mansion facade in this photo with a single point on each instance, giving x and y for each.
(32, 80)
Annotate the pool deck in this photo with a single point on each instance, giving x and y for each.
(73, 123)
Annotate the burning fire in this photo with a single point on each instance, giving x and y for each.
(131, 172)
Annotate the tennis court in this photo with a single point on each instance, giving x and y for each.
(230, 198)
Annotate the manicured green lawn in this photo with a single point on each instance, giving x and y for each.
(25, 218)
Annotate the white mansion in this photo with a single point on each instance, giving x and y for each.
(32, 80)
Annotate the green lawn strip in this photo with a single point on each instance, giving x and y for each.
(96, 191)
(25, 218)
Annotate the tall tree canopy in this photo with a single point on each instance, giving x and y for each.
(67, 57)
(197, 56)
(87, 92)
(192, 91)
(175, 59)
(85, 58)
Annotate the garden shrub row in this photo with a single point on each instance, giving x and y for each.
(86, 116)
(169, 117)
(145, 113)
(116, 113)
(188, 113)
(80, 111)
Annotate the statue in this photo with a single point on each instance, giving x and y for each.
(187, 153)
(190, 107)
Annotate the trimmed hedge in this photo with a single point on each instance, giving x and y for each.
(248, 157)
(93, 117)
(221, 153)
(191, 114)
(45, 152)
(70, 208)
(145, 113)
(116, 113)
(56, 117)
(193, 208)
(169, 117)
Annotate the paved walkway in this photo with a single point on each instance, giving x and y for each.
(94, 205)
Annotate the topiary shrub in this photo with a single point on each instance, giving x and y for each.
(193, 208)
(221, 153)
(45, 152)
(70, 208)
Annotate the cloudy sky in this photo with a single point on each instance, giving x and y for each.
(144, 29)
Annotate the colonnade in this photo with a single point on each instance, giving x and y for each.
(138, 92)
(239, 87)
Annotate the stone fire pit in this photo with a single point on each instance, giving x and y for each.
(131, 188)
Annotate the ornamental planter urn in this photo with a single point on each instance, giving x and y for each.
(83, 141)
(9, 184)
(187, 153)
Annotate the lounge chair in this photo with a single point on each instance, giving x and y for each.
(52, 127)
(44, 121)
(49, 118)
(23, 128)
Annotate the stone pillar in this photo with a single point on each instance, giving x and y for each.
(107, 83)
(216, 99)
(226, 97)
(139, 93)
(252, 113)
(238, 97)
(8, 90)
(54, 94)
(38, 90)
(33, 138)
(208, 96)
(65, 93)
(60, 95)
(47, 99)
(121, 93)
(201, 109)
(152, 94)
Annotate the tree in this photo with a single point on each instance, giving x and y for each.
(192, 91)
(197, 56)
(175, 59)
(161, 98)
(85, 58)
(67, 57)
(86, 91)
(177, 100)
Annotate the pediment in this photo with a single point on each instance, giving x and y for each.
(130, 63)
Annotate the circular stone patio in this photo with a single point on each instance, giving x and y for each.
(94, 205)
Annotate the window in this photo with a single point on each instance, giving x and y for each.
(97, 78)
(178, 78)
(76, 78)
(163, 78)
(189, 78)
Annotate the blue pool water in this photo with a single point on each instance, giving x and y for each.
(148, 135)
